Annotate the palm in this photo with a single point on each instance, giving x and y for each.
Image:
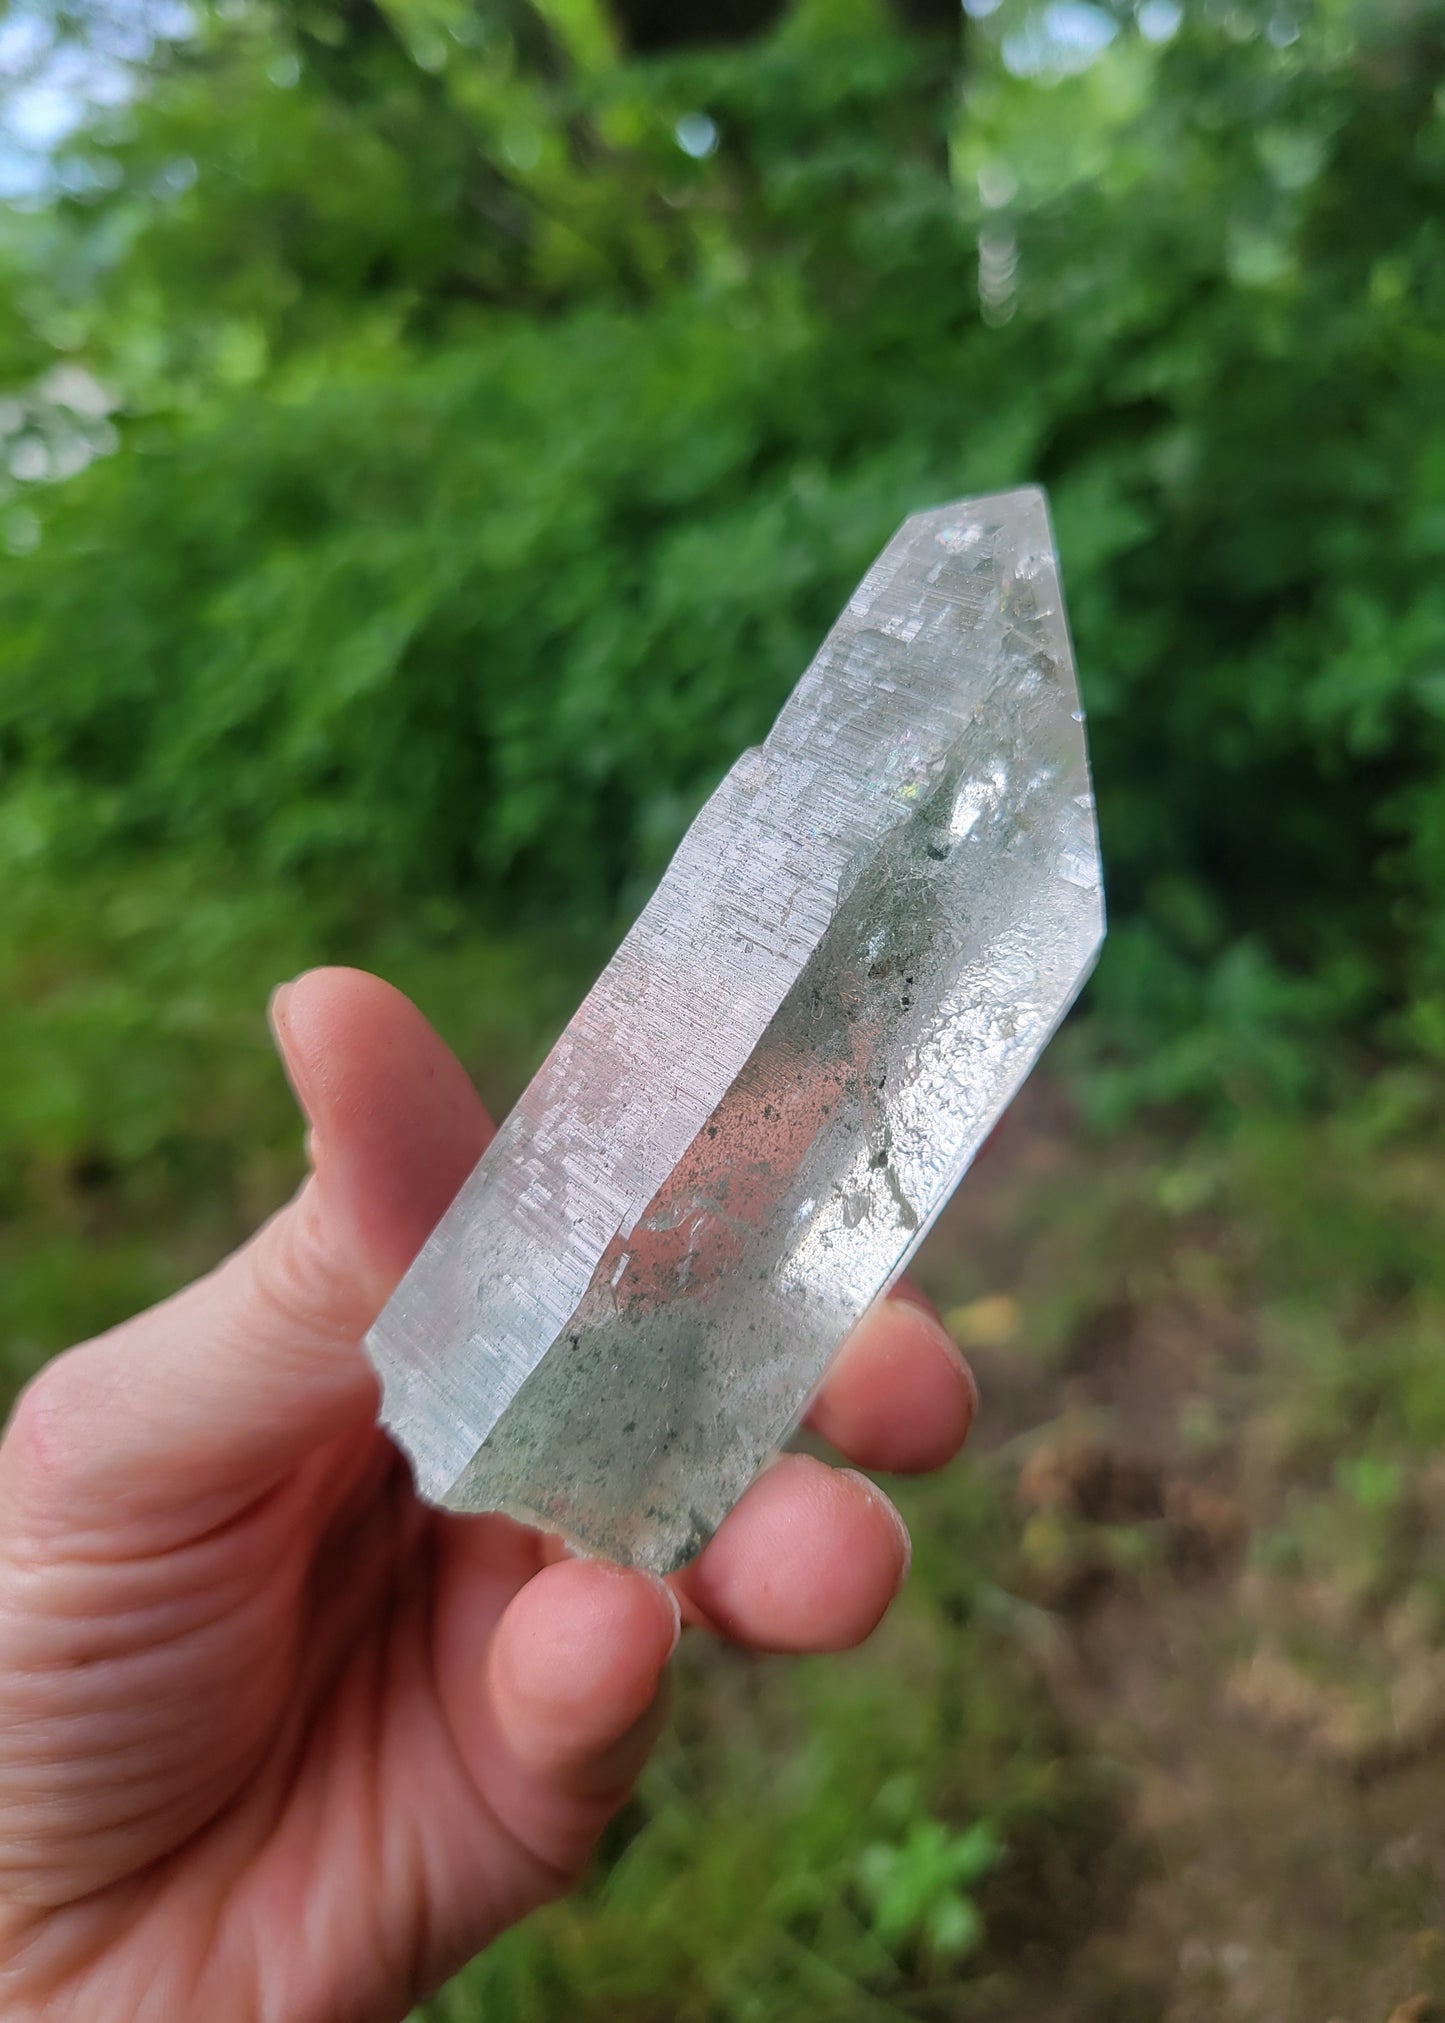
(279, 1740)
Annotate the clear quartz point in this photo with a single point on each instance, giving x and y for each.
(863, 943)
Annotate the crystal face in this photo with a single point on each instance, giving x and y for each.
(863, 943)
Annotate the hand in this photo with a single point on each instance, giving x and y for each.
(279, 1742)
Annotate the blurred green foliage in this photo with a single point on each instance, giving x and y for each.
(482, 428)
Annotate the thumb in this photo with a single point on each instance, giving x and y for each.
(225, 1387)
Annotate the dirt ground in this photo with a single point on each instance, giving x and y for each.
(1256, 1646)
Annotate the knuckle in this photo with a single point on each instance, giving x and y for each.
(51, 1441)
(296, 1279)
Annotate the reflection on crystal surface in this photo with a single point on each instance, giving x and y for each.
(855, 957)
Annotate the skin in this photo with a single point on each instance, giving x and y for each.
(279, 1742)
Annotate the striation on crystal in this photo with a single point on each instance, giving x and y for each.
(860, 948)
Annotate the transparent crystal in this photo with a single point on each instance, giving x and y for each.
(863, 943)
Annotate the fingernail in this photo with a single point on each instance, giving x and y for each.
(912, 1296)
(276, 1008)
(909, 1294)
(970, 1382)
(676, 1606)
(907, 1536)
(875, 1495)
(276, 1016)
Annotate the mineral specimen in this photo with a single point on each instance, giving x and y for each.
(862, 944)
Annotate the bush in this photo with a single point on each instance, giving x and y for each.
(442, 569)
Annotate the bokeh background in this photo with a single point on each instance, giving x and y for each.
(434, 434)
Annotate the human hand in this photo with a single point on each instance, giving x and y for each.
(277, 1741)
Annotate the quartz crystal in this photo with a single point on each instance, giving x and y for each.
(862, 944)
